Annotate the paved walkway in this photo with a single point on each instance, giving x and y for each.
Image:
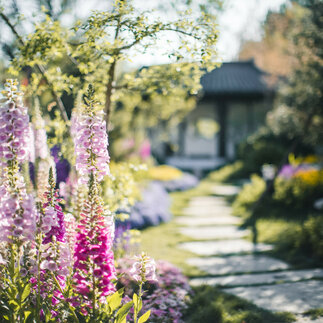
(239, 267)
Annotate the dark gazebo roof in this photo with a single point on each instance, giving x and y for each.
(238, 79)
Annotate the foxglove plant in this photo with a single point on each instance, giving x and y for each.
(93, 257)
(53, 226)
(90, 141)
(143, 270)
(53, 255)
(17, 209)
(43, 160)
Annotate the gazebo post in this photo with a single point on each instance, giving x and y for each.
(223, 113)
(181, 137)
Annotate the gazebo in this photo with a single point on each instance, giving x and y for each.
(234, 102)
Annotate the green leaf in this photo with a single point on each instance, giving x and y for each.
(13, 302)
(144, 317)
(140, 305)
(80, 317)
(115, 299)
(123, 312)
(135, 299)
(25, 293)
(27, 313)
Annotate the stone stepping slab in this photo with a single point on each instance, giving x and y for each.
(295, 297)
(207, 198)
(306, 319)
(237, 264)
(223, 247)
(259, 279)
(208, 220)
(208, 201)
(225, 190)
(204, 211)
(214, 232)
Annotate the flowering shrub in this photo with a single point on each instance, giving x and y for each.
(249, 194)
(185, 182)
(56, 267)
(299, 186)
(152, 209)
(164, 173)
(167, 297)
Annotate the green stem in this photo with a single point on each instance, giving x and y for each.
(21, 311)
(38, 282)
(138, 303)
(65, 296)
(12, 278)
(94, 296)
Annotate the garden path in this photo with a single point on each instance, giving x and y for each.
(241, 268)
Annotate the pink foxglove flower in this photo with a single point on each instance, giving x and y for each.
(93, 257)
(91, 142)
(14, 127)
(144, 269)
(56, 253)
(17, 208)
(17, 218)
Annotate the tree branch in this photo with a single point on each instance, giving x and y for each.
(40, 68)
(109, 88)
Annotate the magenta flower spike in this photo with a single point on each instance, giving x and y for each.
(93, 256)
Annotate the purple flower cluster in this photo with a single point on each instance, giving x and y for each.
(62, 165)
(152, 209)
(185, 182)
(91, 142)
(288, 171)
(167, 297)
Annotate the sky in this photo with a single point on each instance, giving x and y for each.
(241, 20)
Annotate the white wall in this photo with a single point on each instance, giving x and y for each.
(195, 144)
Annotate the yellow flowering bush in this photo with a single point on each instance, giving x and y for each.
(310, 177)
(164, 173)
(301, 189)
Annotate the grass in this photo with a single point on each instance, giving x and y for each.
(314, 313)
(210, 305)
(161, 243)
(289, 242)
